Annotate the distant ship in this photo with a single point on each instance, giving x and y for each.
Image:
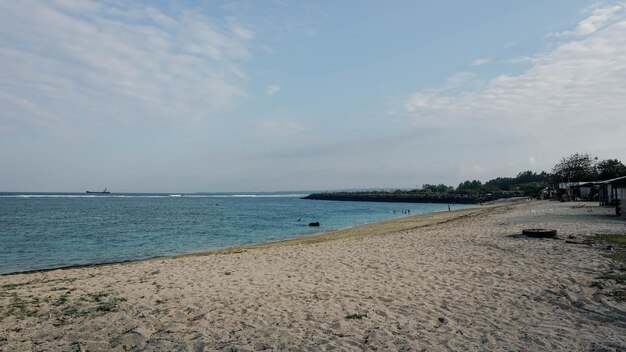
(96, 192)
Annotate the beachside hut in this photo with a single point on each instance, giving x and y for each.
(576, 190)
(607, 191)
(585, 191)
(619, 189)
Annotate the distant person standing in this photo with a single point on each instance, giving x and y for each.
(448, 207)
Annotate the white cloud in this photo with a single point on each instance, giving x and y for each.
(272, 89)
(428, 98)
(481, 61)
(599, 17)
(470, 171)
(458, 79)
(95, 61)
(570, 98)
(281, 127)
(570, 91)
(520, 60)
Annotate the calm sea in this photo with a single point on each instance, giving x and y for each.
(45, 230)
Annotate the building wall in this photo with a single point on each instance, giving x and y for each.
(621, 195)
(584, 192)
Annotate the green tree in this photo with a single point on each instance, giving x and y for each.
(474, 185)
(529, 176)
(610, 168)
(576, 167)
(440, 188)
(499, 184)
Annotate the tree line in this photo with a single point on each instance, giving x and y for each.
(578, 167)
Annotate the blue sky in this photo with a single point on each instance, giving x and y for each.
(190, 96)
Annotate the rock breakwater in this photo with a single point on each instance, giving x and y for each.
(412, 197)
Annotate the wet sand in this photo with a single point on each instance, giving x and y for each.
(461, 280)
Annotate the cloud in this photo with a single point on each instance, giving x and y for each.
(520, 60)
(272, 89)
(481, 61)
(93, 61)
(470, 171)
(569, 98)
(428, 98)
(351, 147)
(458, 79)
(599, 17)
(574, 89)
(281, 127)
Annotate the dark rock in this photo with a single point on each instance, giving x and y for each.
(260, 346)
(314, 223)
(76, 347)
(129, 338)
(442, 320)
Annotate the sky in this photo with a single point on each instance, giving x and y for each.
(217, 96)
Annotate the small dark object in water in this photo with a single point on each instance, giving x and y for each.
(539, 233)
(314, 224)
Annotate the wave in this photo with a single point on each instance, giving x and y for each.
(153, 195)
(248, 195)
(74, 196)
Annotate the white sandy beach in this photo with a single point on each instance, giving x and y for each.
(462, 280)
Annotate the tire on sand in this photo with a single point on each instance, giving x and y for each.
(539, 233)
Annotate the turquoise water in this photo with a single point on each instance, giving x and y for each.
(39, 231)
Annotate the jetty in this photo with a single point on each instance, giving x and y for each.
(413, 196)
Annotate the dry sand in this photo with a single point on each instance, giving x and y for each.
(448, 281)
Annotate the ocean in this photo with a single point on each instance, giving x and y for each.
(49, 230)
